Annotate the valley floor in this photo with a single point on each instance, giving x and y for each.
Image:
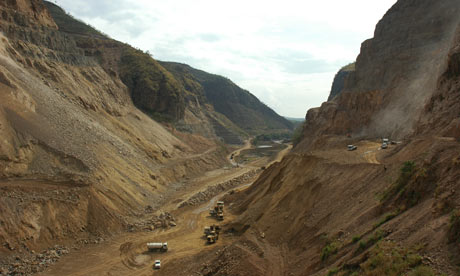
(126, 254)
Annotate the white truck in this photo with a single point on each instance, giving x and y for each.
(161, 246)
(351, 147)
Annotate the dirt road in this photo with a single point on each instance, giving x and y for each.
(126, 254)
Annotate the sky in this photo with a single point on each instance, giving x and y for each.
(286, 53)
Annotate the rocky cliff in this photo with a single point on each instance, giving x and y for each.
(324, 210)
(396, 73)
(339, 80)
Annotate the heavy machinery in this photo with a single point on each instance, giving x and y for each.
(210, 229)
(218, 210)
(212, 233)
(157, 246)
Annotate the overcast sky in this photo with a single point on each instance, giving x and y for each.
(284, 52)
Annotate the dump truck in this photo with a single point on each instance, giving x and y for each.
(157, 246)
(212, 238)
(212, 233)
(218, 210)
(220, 215)
(212, 229)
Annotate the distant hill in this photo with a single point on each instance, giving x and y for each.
(295, 121)
(192, 100)
(237, 104)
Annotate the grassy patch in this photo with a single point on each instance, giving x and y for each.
(407, 171)
(332, 271)
(356, 239)
(388, 259)
(331, 248)
(376, 237)
(422, 271)
(387, 217)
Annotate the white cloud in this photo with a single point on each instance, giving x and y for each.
(284, 52)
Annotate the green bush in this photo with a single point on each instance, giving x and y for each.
(330, 249)
(388, 259)
(355, 239)
(376, 237)
(387, 217)
(332, 272)
(407, 171)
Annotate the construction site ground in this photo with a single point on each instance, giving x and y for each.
(126, 254)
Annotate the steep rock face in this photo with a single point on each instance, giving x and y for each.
(238, 105)
(339, 80)
(441, 113)
(324, 208)
(402, 63)
(30, 10)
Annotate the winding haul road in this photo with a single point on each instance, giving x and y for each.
(126, 254)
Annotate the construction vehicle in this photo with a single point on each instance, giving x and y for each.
(212, 229)
(218, 210)
(352, 147)
(212, 238)
(212, 233)
(157, 246)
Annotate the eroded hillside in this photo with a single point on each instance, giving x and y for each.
(78, 159)
(174, 93)
(324, 210)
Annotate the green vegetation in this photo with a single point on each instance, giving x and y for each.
(349, 67)
(331, 248)
(332, 271)
(356, 239)
(153, 89)
(413, 184)
(298, 133)
(237, 104)
(407, 171)
(376, 237)
(422, 271)
(67, 23)
(270, 137)
(296, 121)
(387, 217)
(386, 258)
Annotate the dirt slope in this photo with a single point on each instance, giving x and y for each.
(77, 159)
(326, 211)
